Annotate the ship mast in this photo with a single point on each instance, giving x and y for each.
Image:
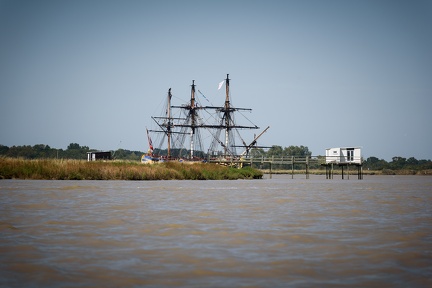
(193, 119)
(227, 115)
(227, 124)
(169, 123)
(191, 124)
(166, 124)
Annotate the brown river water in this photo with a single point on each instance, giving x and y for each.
(280, 232)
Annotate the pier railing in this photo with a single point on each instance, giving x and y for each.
(271, 161)
(292, 162)
(288, 160)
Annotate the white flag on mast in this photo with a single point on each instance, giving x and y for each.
(220, 84)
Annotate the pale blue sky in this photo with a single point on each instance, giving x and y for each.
(320, 73)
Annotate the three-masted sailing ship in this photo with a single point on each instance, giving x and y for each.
(183, 132)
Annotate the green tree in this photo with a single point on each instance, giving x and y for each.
(73, 146)
(301, 151)
(398, 162)
(275, 151)
(25, 151)
(4, 150)
(75, 151)
(374, 163)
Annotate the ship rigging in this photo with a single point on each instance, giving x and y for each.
(186, 128)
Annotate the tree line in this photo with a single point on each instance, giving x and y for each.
(75, 151)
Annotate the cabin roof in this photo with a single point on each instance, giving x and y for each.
(347, 147)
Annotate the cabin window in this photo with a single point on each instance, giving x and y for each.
(350, 154)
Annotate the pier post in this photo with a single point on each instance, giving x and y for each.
(271, 162)
(348, 171)
(331, 172)
(307, 167)
(292, 167)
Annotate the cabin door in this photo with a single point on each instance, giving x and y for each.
(350, 155)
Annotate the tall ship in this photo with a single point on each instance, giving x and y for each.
(184, 131)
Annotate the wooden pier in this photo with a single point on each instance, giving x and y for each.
(330, 169)
(292, 162)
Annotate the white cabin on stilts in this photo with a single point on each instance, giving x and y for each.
(343, 157)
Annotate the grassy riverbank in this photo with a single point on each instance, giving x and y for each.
(58, 169)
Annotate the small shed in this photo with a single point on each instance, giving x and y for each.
(344, 155)
(93, 156)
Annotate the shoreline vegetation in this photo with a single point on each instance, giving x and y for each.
(371, 166)
(71, 169)
(68, 169)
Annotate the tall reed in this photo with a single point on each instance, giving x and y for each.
(59, 169)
